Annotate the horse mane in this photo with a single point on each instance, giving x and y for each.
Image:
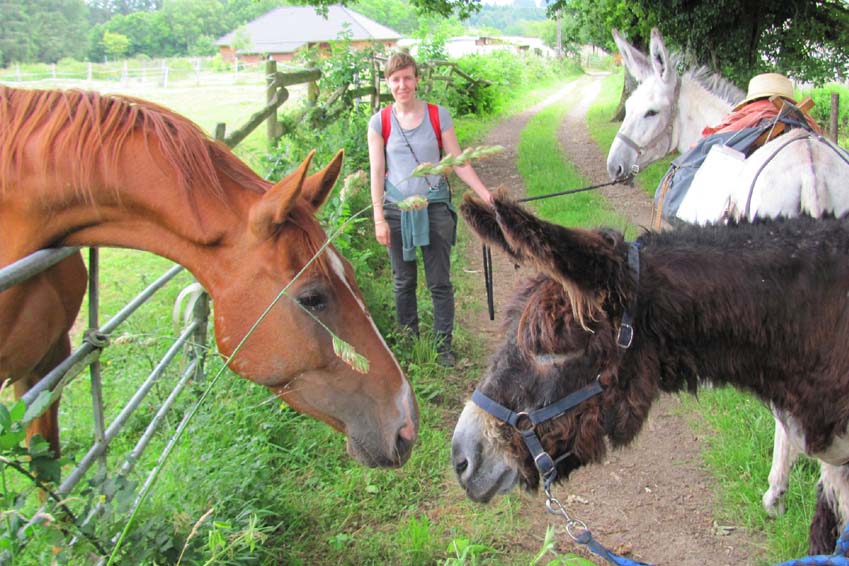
(88, 130)
(715, 84)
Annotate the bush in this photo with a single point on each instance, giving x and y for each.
(821, 112)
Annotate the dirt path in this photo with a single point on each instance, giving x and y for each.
(651, 501)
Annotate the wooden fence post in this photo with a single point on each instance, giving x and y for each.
(835, 107)
(312, 92)
(375, 83)
(272, 126)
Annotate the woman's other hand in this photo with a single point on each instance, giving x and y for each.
(381, 232)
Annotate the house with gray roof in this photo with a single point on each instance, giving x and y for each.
(279, 33)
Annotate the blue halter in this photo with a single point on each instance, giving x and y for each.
(525, 422)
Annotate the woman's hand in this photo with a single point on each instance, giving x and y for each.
(381, 232)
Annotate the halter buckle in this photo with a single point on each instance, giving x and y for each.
(626, 336)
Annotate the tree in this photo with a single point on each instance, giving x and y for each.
(803, 39)
(42, 30)
(115, 44)
(445, 8)
(15, 42)
(101, 11)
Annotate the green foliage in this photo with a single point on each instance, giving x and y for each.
(799, 38)
(115, 44)
(41, 30)
(821, 112)
(464, 552)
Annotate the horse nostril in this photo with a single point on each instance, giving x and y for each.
(404, 445)
(460, 466)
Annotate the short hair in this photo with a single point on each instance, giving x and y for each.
(400, 60)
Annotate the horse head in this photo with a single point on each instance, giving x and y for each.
(561, 338)
(648, 131)
(292, 349)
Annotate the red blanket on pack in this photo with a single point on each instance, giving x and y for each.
(750, 116)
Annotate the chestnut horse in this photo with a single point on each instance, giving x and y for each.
(760, 306)
(84, 169)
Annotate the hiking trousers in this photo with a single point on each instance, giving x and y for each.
(437, 268)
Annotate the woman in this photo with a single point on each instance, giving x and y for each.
(413, 139)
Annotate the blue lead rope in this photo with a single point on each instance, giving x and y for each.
(839, 558)
(586, 538)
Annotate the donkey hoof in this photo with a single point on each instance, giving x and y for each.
(773, 504)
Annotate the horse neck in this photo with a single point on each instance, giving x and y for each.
(697, 108)
(149, 211)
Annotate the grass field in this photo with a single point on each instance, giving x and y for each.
(207, 99)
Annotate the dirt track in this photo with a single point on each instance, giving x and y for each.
(651, 501)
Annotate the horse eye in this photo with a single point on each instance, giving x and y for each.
(651, 113)
(313, 301)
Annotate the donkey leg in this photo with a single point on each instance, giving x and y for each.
(830, 516)
(784, 454)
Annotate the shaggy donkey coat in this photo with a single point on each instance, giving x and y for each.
(761, 306)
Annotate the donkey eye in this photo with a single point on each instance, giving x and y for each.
(313, 301)
(651, 113)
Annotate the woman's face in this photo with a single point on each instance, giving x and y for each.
(402, 84)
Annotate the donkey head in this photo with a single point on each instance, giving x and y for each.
(561, 336)
(648, 131)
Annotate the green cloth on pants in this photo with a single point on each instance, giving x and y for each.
(415, 231)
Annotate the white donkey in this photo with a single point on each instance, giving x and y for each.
(796, 173)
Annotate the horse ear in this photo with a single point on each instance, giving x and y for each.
(634, 60)
(317, 187)
(660, 57)
(271, 210)
(582, 260)
(481, 218)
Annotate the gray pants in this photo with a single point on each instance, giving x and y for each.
(437, 267)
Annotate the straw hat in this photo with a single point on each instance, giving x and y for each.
(767, 85)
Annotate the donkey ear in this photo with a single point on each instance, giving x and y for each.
(634, 60)
(317, 187)
(660, 62)
(271, 210)
(588, 260)
(481, 218)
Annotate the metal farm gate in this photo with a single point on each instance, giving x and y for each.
(192, 341)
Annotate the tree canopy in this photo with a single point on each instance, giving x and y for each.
(803, 39)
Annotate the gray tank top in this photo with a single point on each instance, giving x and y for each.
(399, 159)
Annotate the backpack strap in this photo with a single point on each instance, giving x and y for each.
(433, 112)
(385, 123)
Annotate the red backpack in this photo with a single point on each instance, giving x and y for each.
(433, 113)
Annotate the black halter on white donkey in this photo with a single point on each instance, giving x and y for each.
(761, 306)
